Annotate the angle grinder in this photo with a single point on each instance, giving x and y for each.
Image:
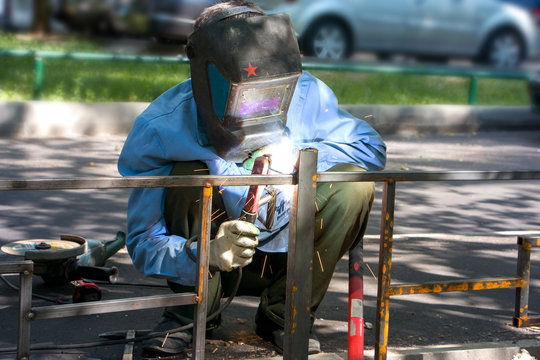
(70, 258)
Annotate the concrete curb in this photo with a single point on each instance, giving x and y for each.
(61, 119)
(445, 119)
(481, 351)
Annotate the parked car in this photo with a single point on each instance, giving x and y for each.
(164, 19)
(174, 19)
(488, 31)
(533, 6)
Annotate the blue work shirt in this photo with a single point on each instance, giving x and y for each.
(167, 132)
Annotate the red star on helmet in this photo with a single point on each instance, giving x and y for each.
(251, 70)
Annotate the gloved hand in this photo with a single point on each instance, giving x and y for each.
(234, 245)
(250, 161)
(283, 154)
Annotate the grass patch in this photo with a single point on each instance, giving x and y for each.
(405, 89)
(102, 81)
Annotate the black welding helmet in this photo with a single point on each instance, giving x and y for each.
(243, 73)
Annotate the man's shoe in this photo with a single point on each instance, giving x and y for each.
(170, 343)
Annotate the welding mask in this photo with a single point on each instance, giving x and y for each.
(243, 72)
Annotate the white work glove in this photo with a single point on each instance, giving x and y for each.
(234, 245)
(283, 154)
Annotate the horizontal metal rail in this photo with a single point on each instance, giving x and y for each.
(108, 306)
(471, 73)
(246, 180)
(144, 182)
(457, 285)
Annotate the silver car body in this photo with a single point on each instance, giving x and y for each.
(423, 27)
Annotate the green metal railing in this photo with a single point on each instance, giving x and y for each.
(471, 73)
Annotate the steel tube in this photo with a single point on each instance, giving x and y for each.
(524, 272)
(382, 176)
(11, 267)
(107, 306)
(457, 285)
(385, 267)
(203, 251)
(245, 180)
(300, 259)
(144, 182)
(25, 305)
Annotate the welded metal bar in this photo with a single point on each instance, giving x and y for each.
(300, 258)
(128, 348)
(457, 285)
(16, 267)
(382, 176)
(144, 182)
(203, 252)
(107, 306)
(244, 180)
(524, 272)
(25, 306)
(385, 267)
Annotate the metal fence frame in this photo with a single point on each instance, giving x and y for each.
(300, 240)
(470, 73)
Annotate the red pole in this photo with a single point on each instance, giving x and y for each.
(356, 304)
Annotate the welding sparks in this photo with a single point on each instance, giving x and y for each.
(320, 261)
(264, 265)
(321, 222)
(216, 217)
(371, 271)
(164, 340)
(197, 170)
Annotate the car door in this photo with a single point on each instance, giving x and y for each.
(380, 24)
(441, 26)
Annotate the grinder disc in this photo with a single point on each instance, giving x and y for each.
(41, 249)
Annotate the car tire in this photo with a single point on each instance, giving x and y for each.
(503, 49)
(328, 39)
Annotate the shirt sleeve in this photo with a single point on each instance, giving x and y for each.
(316, 121)
(154, 252)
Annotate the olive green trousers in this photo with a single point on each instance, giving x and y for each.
(342, 212)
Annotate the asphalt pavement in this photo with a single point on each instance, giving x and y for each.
(447, 230)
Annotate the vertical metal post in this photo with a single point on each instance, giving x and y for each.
(38, 77)
(300, 258)
(356, 303)
(385, 266)
(524, 272)
(472, 90)
(25, 313)
(203, 250)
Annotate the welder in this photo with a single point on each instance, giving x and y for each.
(247, 96)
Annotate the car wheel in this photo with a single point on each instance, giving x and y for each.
(328, 39)
(504, 49)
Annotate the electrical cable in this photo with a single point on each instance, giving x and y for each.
(58, 300)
